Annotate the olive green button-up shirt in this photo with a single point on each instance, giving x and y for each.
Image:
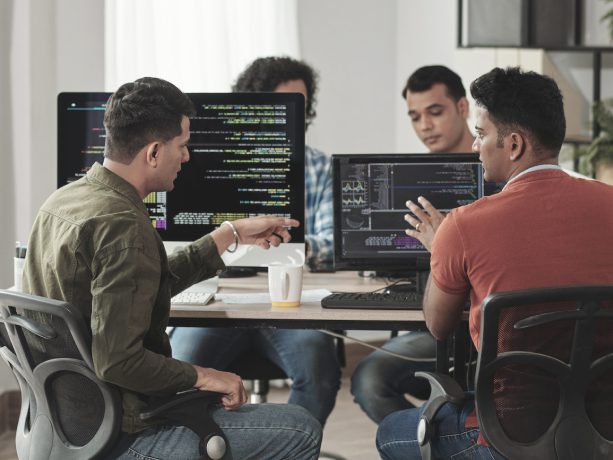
(93, 245)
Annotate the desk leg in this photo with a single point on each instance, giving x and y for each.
(460, 354)
(459, 343)
(442, 358)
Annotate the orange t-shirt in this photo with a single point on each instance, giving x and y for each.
(545, 228)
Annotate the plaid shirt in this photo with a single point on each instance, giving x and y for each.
(318, 207)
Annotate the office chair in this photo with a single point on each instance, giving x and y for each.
(66, 411)
(568, 375)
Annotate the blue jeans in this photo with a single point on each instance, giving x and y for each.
(397, 435)
(308, 358)
(380, 381)
(260, 431)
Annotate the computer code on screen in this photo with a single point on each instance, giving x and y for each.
(373, 195)
(81, 134)
(246, 159)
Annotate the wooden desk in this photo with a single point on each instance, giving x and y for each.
(309, 315)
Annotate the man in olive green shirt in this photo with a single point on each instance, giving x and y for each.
(93, 245)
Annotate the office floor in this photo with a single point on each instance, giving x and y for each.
(348, 431)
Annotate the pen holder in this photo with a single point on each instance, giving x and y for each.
(18, 272)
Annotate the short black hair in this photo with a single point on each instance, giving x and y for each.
(266, 73)
(140, 112)
(426, 77)
(528, 101)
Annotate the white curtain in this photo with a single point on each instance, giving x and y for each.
(199, 45)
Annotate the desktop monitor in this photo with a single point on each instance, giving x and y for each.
(246, 159)
(370, 195)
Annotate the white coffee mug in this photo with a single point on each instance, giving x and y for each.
(285, 284)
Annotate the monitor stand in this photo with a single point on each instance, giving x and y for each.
(238, 272)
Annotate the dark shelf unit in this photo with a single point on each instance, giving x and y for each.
(596, 51)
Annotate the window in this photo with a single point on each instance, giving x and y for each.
(199, 45)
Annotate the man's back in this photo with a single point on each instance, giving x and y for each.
(77, 225)
(93, 246)
(546, 228)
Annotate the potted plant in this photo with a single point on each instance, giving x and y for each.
(608, 19)
(596, 159)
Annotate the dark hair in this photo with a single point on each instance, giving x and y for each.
(140, 112)
(265, 74)
(527, 101)
(425, 77)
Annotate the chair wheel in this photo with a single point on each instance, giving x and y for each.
(215, 447)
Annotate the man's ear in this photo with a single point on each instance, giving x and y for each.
(463, 107)
(517, 146)
(151, 155)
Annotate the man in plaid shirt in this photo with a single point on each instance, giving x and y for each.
(308, 357)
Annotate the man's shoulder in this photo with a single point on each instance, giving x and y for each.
(95, 212)
(483, 204)
(82, 201)
(315, 154)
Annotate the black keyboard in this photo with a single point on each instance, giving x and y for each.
(374, 300)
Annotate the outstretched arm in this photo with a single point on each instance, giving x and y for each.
(265, 231)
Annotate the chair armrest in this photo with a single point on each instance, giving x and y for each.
(443, 385)
(443, 389)
(191, 409)
(160, 406)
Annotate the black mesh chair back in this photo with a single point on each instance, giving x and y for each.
(544, 381)
(66, 412)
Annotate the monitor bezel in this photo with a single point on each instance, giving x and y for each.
(411, 263)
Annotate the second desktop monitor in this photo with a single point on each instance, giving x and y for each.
(370, 195)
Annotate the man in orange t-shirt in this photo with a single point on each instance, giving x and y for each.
(545, 228)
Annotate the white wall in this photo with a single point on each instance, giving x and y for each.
(52, 46)
(352, 43)
(7, 175)
(426, 35)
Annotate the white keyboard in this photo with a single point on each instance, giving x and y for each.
(192, 298)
